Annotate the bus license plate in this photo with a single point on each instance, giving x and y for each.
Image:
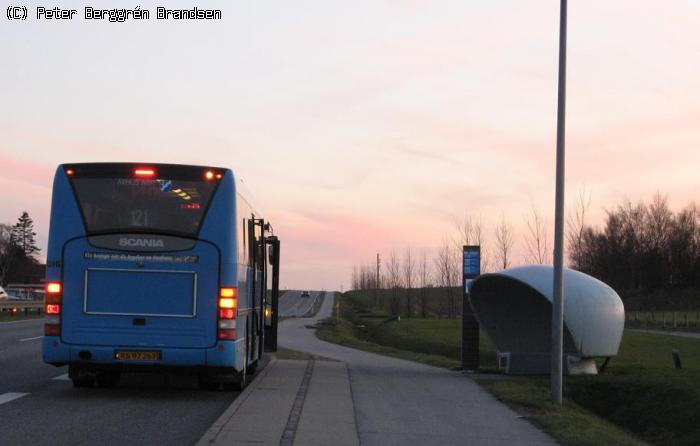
(130, 355)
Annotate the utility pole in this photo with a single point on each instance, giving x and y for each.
(558, 281)
(376, 288)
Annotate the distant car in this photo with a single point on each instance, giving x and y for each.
(305, 294)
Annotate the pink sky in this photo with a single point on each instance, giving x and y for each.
(364, 126)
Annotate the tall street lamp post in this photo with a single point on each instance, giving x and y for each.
(558, 302)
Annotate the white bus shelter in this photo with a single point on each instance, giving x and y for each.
(514, 307)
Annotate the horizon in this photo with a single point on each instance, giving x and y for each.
(370, 127)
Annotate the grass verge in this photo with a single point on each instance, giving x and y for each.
(571, 424)
(640, 398)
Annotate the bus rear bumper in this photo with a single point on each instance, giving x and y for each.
(225, 354)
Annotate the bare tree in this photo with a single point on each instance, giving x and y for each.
(447, 271)
(424, 276)
(393, 279)
(658, 222)
(364, 277)
(409, 271)
(536, 238)
(504, 242)
(684, 246)
(466, 229)
(470, 231)
(575, 228)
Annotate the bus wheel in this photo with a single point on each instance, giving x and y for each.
(240, 380)
(252, 368)
(239, 384)
(83, 382)
(80, 376)
(107, 379)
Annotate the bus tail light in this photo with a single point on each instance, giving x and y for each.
(144, 172)
(52, 308)
(228, 311)
(210, 175)
(228, 292)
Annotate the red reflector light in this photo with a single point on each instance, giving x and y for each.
(227, 313)
(53, 288)
(70, 171)
(228, 334)
(53, 309)
(228, 292)
(219, 176)
(52, 330)
(142, 172)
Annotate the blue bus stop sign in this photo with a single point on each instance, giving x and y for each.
(472, 261)
(471, 265)
(471, 268)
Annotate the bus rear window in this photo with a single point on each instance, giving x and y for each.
(143, 205)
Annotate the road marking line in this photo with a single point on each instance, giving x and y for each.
(9, 396)
(38, 319)
(30, 339)
(63, 377)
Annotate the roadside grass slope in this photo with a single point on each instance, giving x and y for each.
(640, 398)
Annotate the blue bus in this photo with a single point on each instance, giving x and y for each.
(154, 267)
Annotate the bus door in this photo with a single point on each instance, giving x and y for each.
(256, 242)
(273, 280)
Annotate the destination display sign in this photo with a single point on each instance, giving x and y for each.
(140, 257)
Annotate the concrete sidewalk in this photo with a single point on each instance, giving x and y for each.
(302, 402)
(363, 398)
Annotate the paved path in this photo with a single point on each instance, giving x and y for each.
(682, 334)
(364, 398)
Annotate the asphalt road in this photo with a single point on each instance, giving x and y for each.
(39, 405)
(292, 304)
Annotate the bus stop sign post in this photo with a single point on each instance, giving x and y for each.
(471, 268)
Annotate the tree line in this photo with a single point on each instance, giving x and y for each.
(416, 280)
(644, 251)
(18, 250)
